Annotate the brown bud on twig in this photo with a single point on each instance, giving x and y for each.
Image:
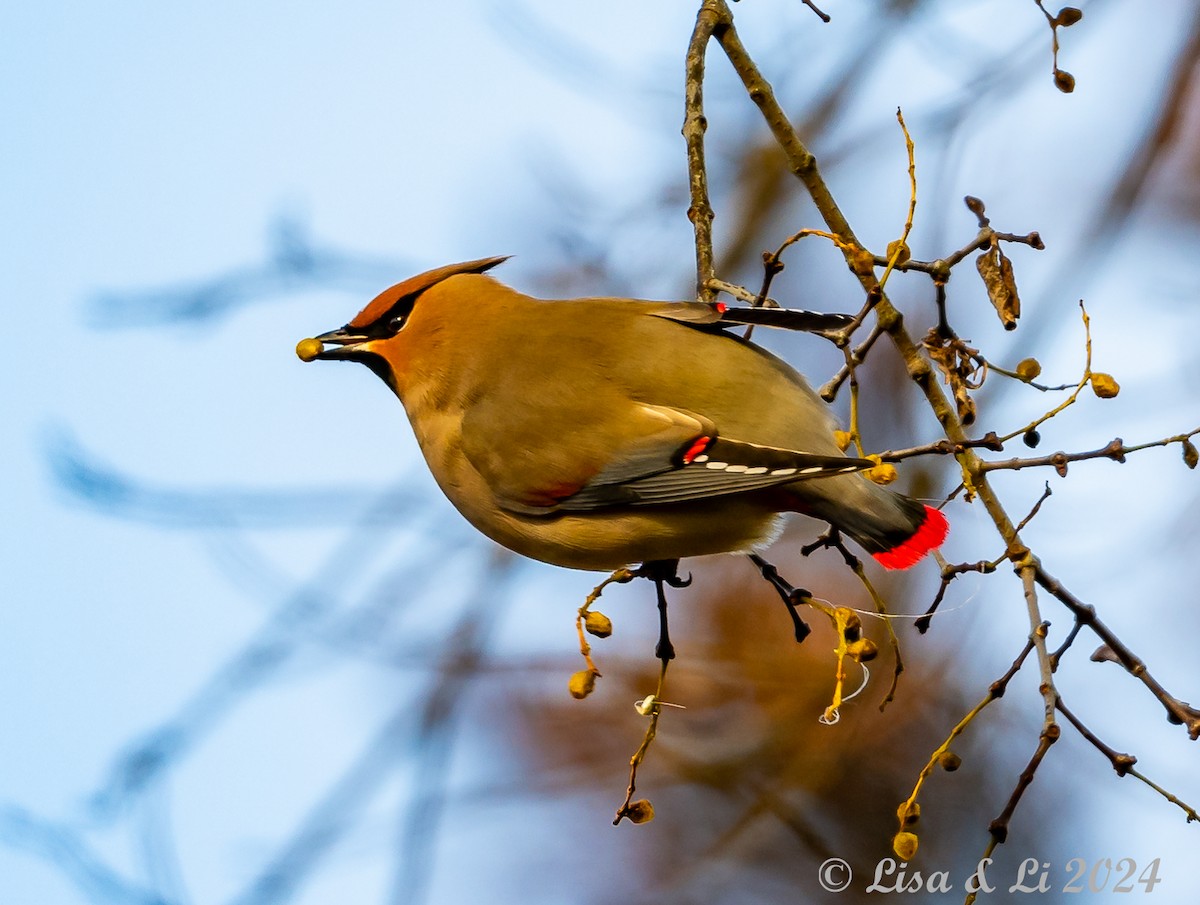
(1060, 464)
(1190, 457)
(1064, 81)
(1068, 16)
(640, 811)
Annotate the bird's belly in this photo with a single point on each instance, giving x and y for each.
(602, 539)
(614, 538)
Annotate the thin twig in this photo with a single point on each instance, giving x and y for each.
(829, 391)
(949, 573)
(1115, 449)
(700, 212)
(998, 828)
(940, 269)
(1177, 710)
(944, 448)
(1036, 507)
(640, 755)
(995, 692)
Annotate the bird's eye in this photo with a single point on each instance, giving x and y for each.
(396, 324)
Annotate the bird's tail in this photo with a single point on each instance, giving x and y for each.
(930, 531)
(896, 530)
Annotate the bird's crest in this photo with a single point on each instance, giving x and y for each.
(414, 286)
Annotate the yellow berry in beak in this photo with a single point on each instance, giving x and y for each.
(309, 349)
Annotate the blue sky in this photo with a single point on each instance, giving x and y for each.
(149, 145)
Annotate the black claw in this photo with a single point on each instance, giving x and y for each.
(803, 629)
(677, 582)
(792, 597)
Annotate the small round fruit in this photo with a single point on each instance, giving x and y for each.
(309, 349)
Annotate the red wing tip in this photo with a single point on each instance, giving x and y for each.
(929, 536)
(697, 447)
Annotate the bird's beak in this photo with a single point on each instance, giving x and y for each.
(336, 344)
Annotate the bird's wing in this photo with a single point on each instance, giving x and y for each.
(655, 455)
(706, 467)
(720, 315)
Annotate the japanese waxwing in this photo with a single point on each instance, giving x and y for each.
(604, 432)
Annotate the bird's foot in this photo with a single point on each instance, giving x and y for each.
(793, 597)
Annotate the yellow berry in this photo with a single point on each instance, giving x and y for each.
(904, 845)
(308, 349)
(898, 249)
(883, 473)
(582, 683)
(863, 650)
(949, 761)
(1028, 368)
(1104, 386)
(597, 624)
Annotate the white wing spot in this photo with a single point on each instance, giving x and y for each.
(850, 468)
(758, 469)
(717, 465)
(735, 468)
(780, 472)
(812, 469)
(699, 459)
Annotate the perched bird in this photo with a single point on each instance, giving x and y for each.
(599, 433)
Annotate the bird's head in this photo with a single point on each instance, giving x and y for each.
(376, 335)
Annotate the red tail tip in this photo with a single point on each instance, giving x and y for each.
(928, 536)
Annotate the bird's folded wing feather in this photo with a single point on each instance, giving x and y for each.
(703, 314)
(723, 466)
(653, 455)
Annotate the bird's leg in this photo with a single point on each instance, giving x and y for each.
(664, 650)
(792, 597)
(663, 572)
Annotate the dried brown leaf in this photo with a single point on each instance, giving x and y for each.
(997, 272)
